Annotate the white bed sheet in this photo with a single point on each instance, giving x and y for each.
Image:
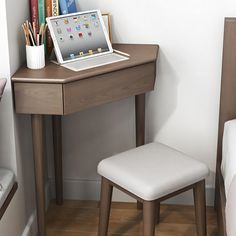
(228, 169)
(228, 166)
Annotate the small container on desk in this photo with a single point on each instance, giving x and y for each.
(35, 56)
(34, 38)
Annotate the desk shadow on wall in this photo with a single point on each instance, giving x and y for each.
(6, 159)
(25, 161)
(88, 137)
(162, 102)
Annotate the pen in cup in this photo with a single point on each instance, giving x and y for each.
(35, 54)
(32, 37)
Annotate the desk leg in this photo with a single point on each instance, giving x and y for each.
(38, 151)
(57, 146)
(140, 124)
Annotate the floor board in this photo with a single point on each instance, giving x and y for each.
(80, 218)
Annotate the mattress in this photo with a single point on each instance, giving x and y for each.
(228, 166)
(228, 169)
(230, 209)
(7, 180)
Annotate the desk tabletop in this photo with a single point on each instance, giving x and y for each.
(52, 73)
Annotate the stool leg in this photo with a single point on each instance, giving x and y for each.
(139, 205)
(149, 218)
(105, 206)
(200, 207)
(158, 213)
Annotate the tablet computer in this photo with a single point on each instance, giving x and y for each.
(79, 36)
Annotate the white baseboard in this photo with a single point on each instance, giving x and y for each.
(31, 226)
(90, 190)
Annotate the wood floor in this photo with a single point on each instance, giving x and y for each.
(80, 218)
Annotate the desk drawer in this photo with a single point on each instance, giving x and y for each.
(37, 98)
(109, 87)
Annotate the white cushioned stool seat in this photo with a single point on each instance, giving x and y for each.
(152, 171)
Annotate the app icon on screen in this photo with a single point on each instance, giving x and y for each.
(75, 19)
(56, 23)
(81, 35)
(86, 26)
(90, 34)
(71, 37)
(93, 16)
(81, 53)
(96, 24)
(68, 29)
(78, 27)
(99, 50)
(90, 52)
(72, 55)
(66, 21)
(59, 31)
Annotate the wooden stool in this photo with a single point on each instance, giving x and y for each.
(151, 174)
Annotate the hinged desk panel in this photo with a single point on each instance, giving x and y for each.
(109, 87)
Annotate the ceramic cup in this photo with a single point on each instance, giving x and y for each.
(35, 57)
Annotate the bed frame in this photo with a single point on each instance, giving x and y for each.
(227, 112)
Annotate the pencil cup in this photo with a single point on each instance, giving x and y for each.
(35, 57)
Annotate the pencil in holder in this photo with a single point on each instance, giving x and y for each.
(35, 56)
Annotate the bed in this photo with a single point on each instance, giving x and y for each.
(223, 202)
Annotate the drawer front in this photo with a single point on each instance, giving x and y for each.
(36, 98)
(109, 87)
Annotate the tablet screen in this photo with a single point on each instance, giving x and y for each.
(79, 35)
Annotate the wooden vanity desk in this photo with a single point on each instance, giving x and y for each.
(57, 91)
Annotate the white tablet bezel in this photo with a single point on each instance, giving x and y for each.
(56, 46)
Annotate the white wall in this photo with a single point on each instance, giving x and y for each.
(15, 139)
(182, 111)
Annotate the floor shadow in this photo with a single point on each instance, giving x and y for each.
(127, 226)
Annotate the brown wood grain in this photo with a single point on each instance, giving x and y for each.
(109, 87)
(221, 204)
(140, 126)
(39, 166)
(80, 218)
(140, 119)
(228, 83)
(36, 98)
(52, 73)
(227, 110)
(200, 207)
(105, 206)
(57, 148)
(149, 218)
